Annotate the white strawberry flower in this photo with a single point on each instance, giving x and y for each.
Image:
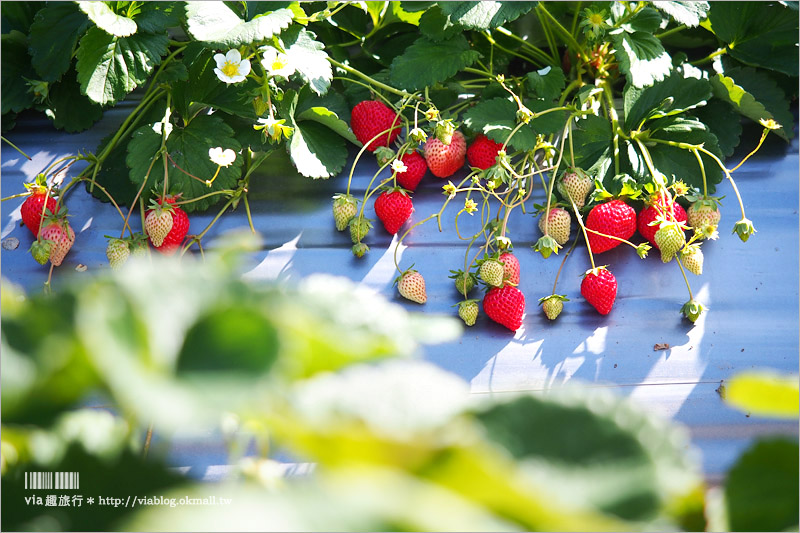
(398, 166)
(221, 157)
(276, 63)
(231, 68)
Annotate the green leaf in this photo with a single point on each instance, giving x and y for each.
(485, 15)
(188, 147)
(723, 121)
(15, 66)
(675, 94)
(546, 83)
(764, 393)
(496, 118)
(761, 492)
(755, 95)
(397, 11)
(328, 118)
(105, 19)
(436, 26)
(233, 341)
(156, 17)
(682, 163)
(174, 71)
(427, 62)
(689, 12)
(70, 110)
(110, 67)
(647, 20)
(762, 35)
(641, 57)
(18, 15)
(316, 151)
(216, 24)
(593, 135)
(308, 57)
(54, 34)
(626, 462)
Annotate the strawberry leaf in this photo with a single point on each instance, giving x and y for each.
(216, 24)
(761, 490)
(689, 13)
(641, 57)
(15, 67)
(659, 465)
(762, 35)
(18, 16)
(102, 15)
(723, 121)
(675, 94)
(188, 148)
(426, 62)
(110, 67)
(755, 95)
(54, 34)
(69, 109)
(546, 83)
(484, 15)
(309, 58)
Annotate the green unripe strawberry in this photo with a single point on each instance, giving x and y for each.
(491, 272)
(575, 185)
(411, 286)
(359, 227)
(703, 213)
(117, 252)
(40, 250)
(465, 281)
(360, 249)
(345, 207)
(559, 224)
(138, 245)
(553, 305)
(468, 311)
(670, 239)
(692, 258)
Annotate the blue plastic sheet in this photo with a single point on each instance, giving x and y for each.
(751, 289)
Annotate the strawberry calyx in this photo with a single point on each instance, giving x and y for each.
(409, 270)
(561, 297)
(595, 271)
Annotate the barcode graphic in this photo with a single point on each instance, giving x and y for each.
(52, 480)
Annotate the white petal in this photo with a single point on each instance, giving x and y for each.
(237, 79)
(233, 55)
(244, 67)
(269, 56)
(220, 59)
(221, 75)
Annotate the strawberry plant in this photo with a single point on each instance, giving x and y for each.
(617, 115)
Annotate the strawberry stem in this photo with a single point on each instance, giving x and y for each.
(563, 261)
(583, 229)
(760, 142)
(702, 171)
(371, 81)
(15, 147)
(683, 272)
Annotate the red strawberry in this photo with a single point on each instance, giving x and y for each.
(482, 152)
(180, 227)
(369, 118)
(510, 268)
(599, 287)
(415, 170)
(393, 207)
(445, 159)
(660, 206)
(505, 305)
(33, 208)
(56, 229)
(411, 286)
(612, 218)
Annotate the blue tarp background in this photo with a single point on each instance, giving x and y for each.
(751, 289)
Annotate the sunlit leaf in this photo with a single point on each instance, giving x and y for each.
(104, 18)
(764, 393)
(216, 24)
(427, 62)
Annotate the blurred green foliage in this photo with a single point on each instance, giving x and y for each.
(324, 370)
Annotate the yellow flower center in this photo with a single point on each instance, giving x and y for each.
(230, 69)
(279, 63)
(596, 19)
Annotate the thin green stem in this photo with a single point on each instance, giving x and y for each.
(247, 210)
(702, 172)
(15, 147)
(683, 272)
(370, 80)
(760, 142)
(567, 35)
(585, 235)
(710, 57)
(670, 31)
(563, 261)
